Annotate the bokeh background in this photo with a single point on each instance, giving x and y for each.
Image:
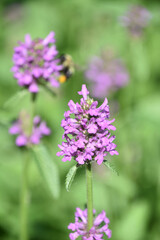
(83, 28)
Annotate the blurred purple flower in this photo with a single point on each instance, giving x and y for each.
(35, 60)
(26, 135)
(87, 132)
(106, 74)
(136, 19)
(100, 226)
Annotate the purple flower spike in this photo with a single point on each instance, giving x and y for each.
(35, 61)
(21, 127)
(100, 226)
(136, 20)
(106, 74)
(87, 132)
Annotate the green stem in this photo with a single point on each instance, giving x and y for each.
(25, 190)
(24, 201)
(32, 111)
(89, 196)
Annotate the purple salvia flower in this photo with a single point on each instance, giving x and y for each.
(35, 61)
(87, 133)
(100, 226)
(135, 20)
(21, 127)
(106, 74)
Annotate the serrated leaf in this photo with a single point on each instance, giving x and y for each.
(15, 98)
(70, 177)
(110, 166)
(47, 169)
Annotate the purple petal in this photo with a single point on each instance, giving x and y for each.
(49, 39)
(54, 82)
(67, 158)
(15, 129)
(99, 158)
(44, 129)
(79, 213)
(27, 79)
(92, 128)
(108, 232)
(21, 140)
(33, 88)
(99, 218)
(80, 159)
(35, 138)
(50, 53)
(84, 92)
(28, 40)
(36, 120)
(37, 72)
(72, 226)
(73, 236)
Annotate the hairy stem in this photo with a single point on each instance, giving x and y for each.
(89, 196)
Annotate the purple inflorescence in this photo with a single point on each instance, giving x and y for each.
(87, 132)
(100, 226)
(36, 60)
(136, 19)
(28, 135)
(106, 74)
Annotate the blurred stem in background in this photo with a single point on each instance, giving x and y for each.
(89, 196)
(24, 199)
(25, 187)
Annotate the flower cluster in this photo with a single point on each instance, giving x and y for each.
(26, 134)
(136, 19)
(106, 74)
(36, 60)
(87, 133)
(100, 226)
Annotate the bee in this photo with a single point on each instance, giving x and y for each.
(68, 68)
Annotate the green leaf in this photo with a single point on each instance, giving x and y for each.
(70, 177)
(110, 166)
(47, 169)
(15, 98)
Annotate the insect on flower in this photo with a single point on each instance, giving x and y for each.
(67, 67)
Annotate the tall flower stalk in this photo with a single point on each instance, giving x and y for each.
(35, 63)
(25, 180)
(87, 140)
(30, 129)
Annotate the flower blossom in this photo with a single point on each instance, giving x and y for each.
(26, 134)
(106, 74)
(100, 226)
(35, 61)
(87, 132)
(136, 19)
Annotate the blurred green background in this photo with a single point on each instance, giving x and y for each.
(83, 28)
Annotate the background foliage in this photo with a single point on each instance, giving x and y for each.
(83, 28)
